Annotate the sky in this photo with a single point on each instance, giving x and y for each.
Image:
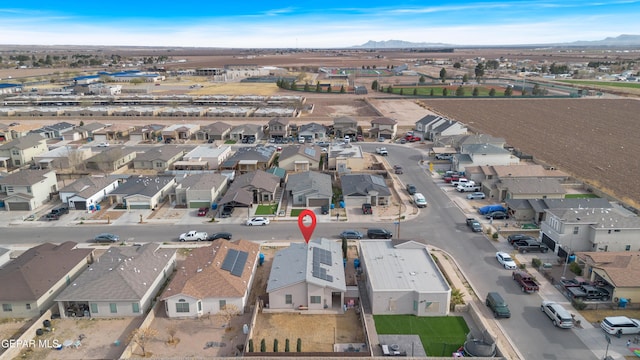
(316, 24)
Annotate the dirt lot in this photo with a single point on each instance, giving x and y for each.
(593, 139)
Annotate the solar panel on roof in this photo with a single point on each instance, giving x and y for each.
(322, 256)
(310, 151)
(229, 260)
(238, 267)
(378, 180)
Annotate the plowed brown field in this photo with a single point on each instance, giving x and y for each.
(595, 140)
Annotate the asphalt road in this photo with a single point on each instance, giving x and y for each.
(442, 224)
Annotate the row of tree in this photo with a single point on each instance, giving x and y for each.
(292, 85)
(263, 345)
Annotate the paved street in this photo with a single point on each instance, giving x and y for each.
(441, 224)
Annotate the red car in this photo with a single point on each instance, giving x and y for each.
(203, 211)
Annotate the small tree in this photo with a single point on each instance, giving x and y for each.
(344, 248)
(286, 345)
(445, 92)
(460, 91)
(422, 79)
(342, 89)
(329, 89)
(475, 92)
(492, 92)
(443, 74)
(263, 346)
(457, 65)
(227, 313)
(508, 91)
(250, 345)
(306, 86)
(465, 78)
(374, 85)
(415, 91)
(479, 70)
(141, 337)
(389, 89)
(318, 87)
(431, 92)
(172, 330)
(299, 345)
(401, 91)
(275, 345)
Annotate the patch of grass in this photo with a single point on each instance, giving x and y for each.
(230, 142)
(440, 336)
(619, 84)
(581, 196)
(296, 212)
(266, 209)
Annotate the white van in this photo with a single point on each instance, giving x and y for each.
(419, 200)
(559, 316)
(301, 139)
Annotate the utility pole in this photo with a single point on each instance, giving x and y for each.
(399, 216)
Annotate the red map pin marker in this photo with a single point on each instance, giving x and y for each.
(307, 231)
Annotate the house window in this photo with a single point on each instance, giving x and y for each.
(94, 308)
(316, 299)
(182, 306)
(114, 308)
(15, 152)
(16, 162)
(199, 305)
(9, 189)
(7, 307)
(288, 299)
(158, 164)
(627, 248)
(223, 304)
(29, 189)
(28, 306)
(135, 307)
(575, 230)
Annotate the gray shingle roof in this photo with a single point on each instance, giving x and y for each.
(260, 153)
(294, 264)
(203, 181)
(484, 149)
(24, 142)
(162, 153)
(599, 218)
(363, 184)
(312, 152)
(24, 177)
(310, 182)
(122, 273)
(533, 186)
(32, 274)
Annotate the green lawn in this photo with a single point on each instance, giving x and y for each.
(230, 142)
(266, 209)
(580, 196)
(296, 212)
(440, 336)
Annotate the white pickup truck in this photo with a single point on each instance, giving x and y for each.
(469, 186)
(382, 151)
(193, 236)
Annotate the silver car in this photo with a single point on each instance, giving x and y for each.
(476, 195)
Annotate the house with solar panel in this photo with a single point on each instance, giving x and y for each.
(212, 278)
(307, 277)
(296, 158)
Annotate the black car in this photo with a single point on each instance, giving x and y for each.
(516, 237)
(498, 215)
(60, 210)
(379, 234)
(245, 140)
(220, 235)
(227, 210)
(324, 209)
(411, 189)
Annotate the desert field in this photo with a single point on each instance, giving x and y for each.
(593, 139)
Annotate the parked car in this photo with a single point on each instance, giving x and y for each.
(366, 209)
(226, 211)
(444, 156)
(517, 237)
(397, 169)
(474, 225)
(419, 200)
(324, 209)
(506, 261)
(220, 235)
(203, 211)
(106, 238)
(51, 217)
(476, 195)
(60, 210)
(411, 189)
(258, 221)
(381, 139)
(351, 234)
(620, 325)
(103, 144)
(377, 233)
(498, 215)
(498, 306)
(559, 316)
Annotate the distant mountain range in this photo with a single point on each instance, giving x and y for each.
(621, 40)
